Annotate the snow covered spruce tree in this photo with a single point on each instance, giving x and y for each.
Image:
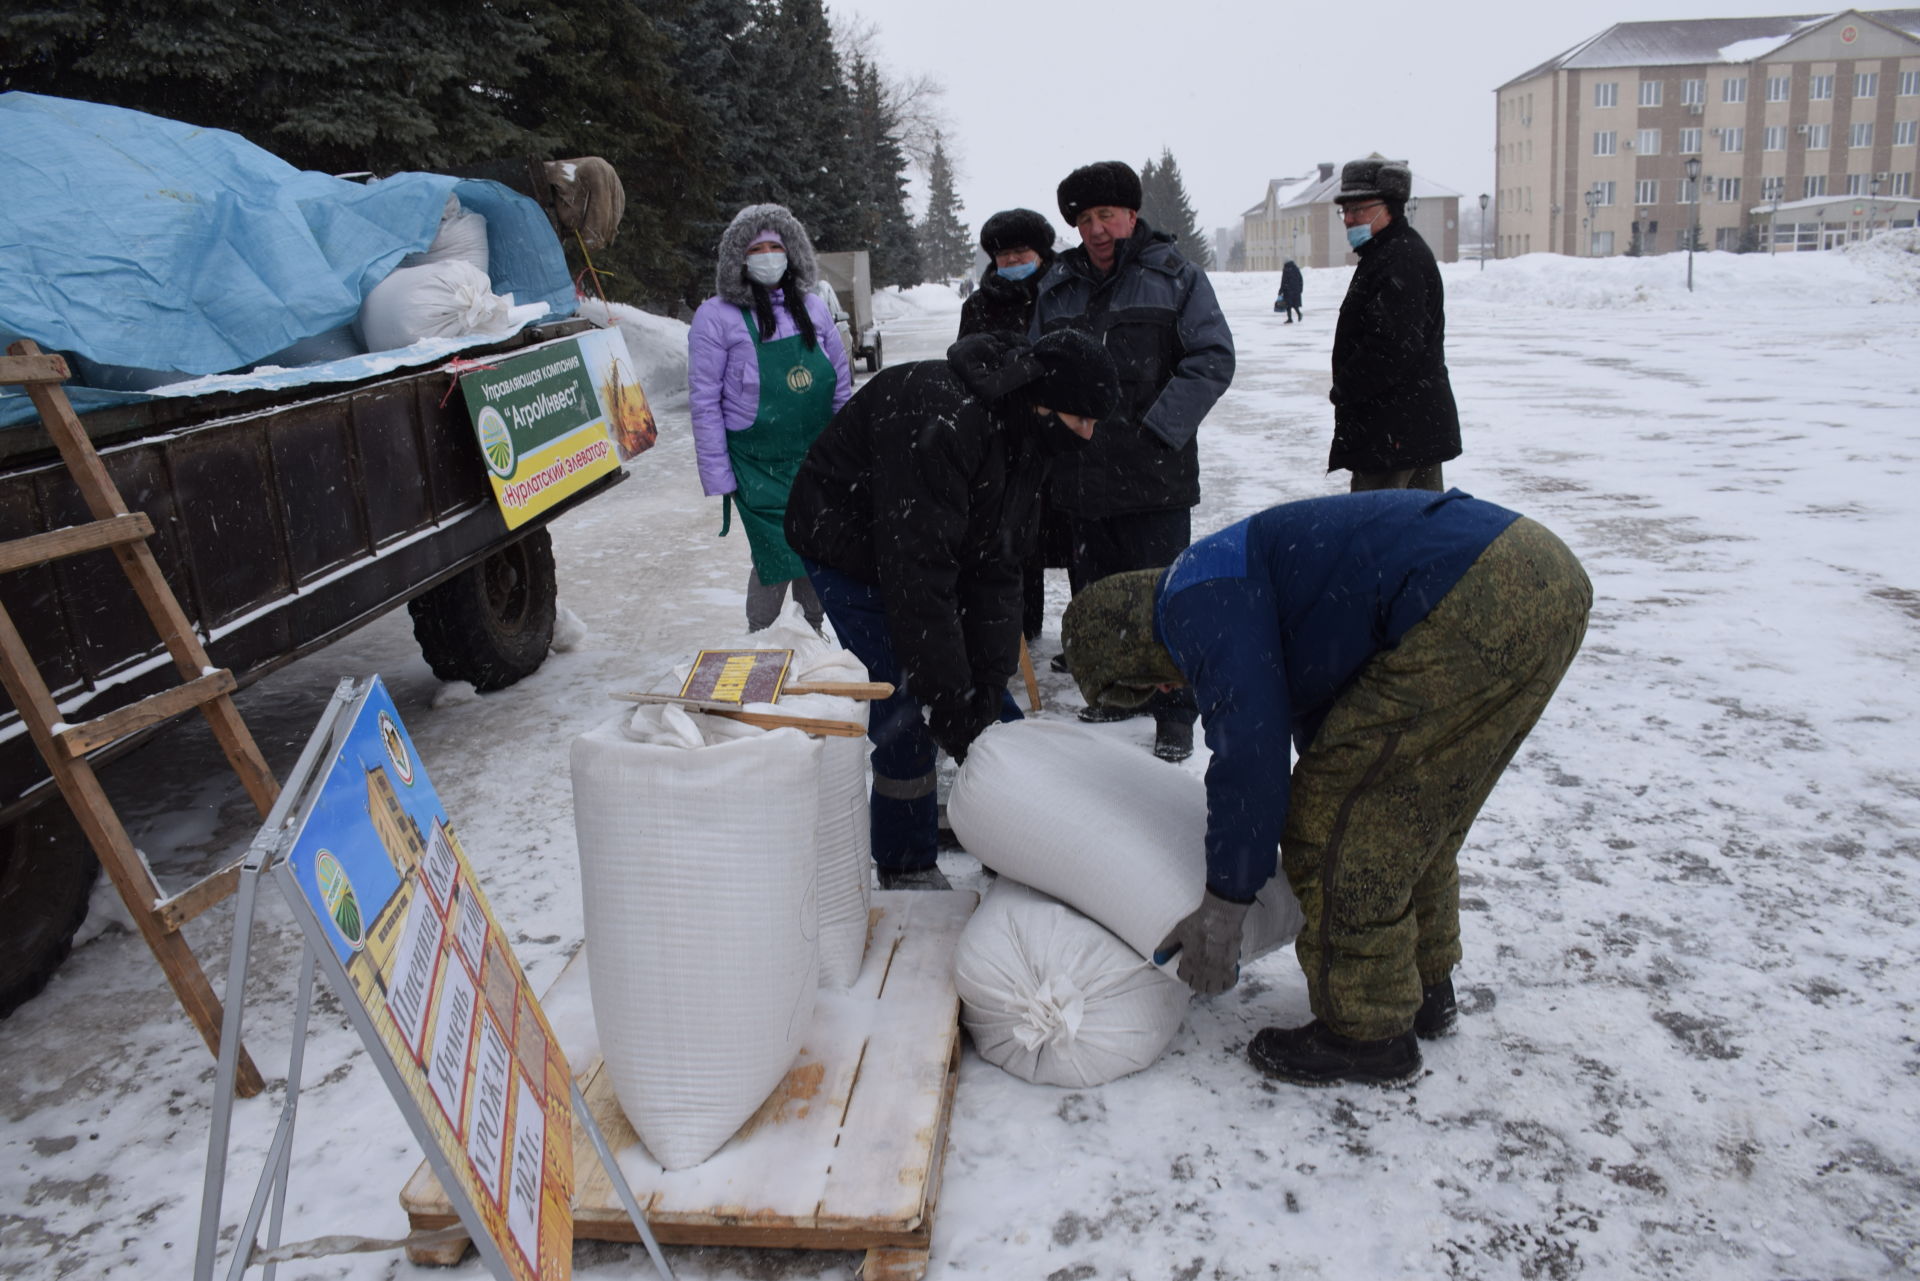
(1164, 205)
(945, 247)
(881, 222)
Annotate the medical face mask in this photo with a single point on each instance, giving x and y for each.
(767, 269)
(1019, 271)
(1357, 236)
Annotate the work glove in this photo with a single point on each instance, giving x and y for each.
(955, 726)
(1208, 942)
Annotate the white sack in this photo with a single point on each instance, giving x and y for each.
(843, 837)
(1054, 998)
(462, 237)
(440, 300)
(697, 873)
(1103, 826)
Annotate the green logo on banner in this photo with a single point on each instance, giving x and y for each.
(496, 442)
(336, 891)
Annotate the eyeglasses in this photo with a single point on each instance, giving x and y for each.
(1350, 212)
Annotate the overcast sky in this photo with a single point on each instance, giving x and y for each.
(1240, 90)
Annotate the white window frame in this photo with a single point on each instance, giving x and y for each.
(1779, 88)
(1689, 192)
(1909, 83)
(1599, 244)
(1819, 88)
(1648, 143)
(1729, 190)
(1906, 132)
(1651, 92)
(1606, 93)
(1690, 141)
(1773, 187)
(1733, 138)
(1605, 190)
(1859, 184)
(1860, 133)
(1693, 93)
(1646, 191)
(1819, 137)
(1813, 185)
(1774, 139)
(1866, 84)
(1902, 183)
(1733, 89)
(1606, 143)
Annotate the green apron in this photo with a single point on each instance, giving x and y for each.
(796, 400)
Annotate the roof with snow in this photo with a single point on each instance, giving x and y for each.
(1693, 41)
(1322, 191)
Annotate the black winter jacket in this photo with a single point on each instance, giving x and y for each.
(1157, 315)
(999, 304)
(926, 484)
(1290, 286)
(1392, 403)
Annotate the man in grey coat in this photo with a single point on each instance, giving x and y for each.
(1130, 495)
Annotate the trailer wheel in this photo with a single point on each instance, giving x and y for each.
(47, 871)
(492, 624)
(873, 356)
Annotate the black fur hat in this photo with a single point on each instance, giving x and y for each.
(1017, 229)
(1374, 179)
(1105, 182)
(1078, 378)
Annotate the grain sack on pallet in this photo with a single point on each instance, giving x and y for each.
(1054, 998)
(698, 874)
(1102, 826)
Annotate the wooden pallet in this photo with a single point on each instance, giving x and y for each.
(844, 1155)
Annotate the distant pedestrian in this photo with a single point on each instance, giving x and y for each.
(1290, 286)
(1394, 420)
(765, 372)
(1019, 245)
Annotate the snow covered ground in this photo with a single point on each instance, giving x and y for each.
(1689, 1044)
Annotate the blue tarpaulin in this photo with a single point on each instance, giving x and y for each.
(139, 241)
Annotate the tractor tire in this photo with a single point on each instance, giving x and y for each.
(873, 356)
(491, 625)
(47, 871)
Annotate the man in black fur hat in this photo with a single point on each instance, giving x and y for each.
(1394, 420)
(1131, 493)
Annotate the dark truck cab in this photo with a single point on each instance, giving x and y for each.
(283, 520)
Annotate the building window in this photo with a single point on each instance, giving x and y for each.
(1601, 246)
(1779, 88)
(1902, 183)
(1775, 138)
(1689, 191)
(1733, 89)
(1650, 92)
(1820, 87)
(1733, 138)
(1605, 191)
(1774, 188)
(1815, 184)
(1904, 131)
(1606, 143)
(1860, 133)
(1859, 184)
(1693, 93)
(1729, 191)
(1646, 191)
(1866, 84)
(1818, 136)
(1909, 83)
(1606, 95)
(1648, 143)
(1689, 142)
(1727, 239)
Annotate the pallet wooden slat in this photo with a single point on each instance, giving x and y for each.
(41, 367)
(56, 544)
(214, 887)
(80, 739)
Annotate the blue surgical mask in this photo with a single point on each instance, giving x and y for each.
(1357, 236)
(767, 268)
(1019, 271)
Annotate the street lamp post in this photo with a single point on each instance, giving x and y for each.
(1483, 231)
(1773, 228)
(1592, 198)
(1873, 207)
(1693, 232)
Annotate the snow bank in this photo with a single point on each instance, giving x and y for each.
(899, 304)
(657, 344)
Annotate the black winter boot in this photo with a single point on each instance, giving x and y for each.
(1438, 1011)
(1314, 1055)
(1173, 740)
(1105, 714)
(919, 878)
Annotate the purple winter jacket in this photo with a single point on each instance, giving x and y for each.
(723, 377)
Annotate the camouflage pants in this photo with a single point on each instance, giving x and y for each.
(1383, 797)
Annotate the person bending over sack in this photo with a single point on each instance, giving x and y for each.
(913, 513)
(1406, 643)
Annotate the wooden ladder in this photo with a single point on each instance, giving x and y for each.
(65, 747)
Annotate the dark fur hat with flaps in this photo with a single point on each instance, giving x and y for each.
(1067, 371)
(1374, 179)
(1018, 229)
(1105, 182)
(740, 233)
(1111, 650)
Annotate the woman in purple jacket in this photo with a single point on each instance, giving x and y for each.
(766, 371)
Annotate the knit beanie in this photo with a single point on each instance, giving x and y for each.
(1105, 182)
(1017, 229)
(1108, 635)
(1078, 376)
(767, 236)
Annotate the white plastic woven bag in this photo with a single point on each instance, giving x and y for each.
(697, 872)
(439, 300)
(1056, 999)
(1103, 826)
(462, 235)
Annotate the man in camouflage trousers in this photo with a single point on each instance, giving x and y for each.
(1406, 643)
